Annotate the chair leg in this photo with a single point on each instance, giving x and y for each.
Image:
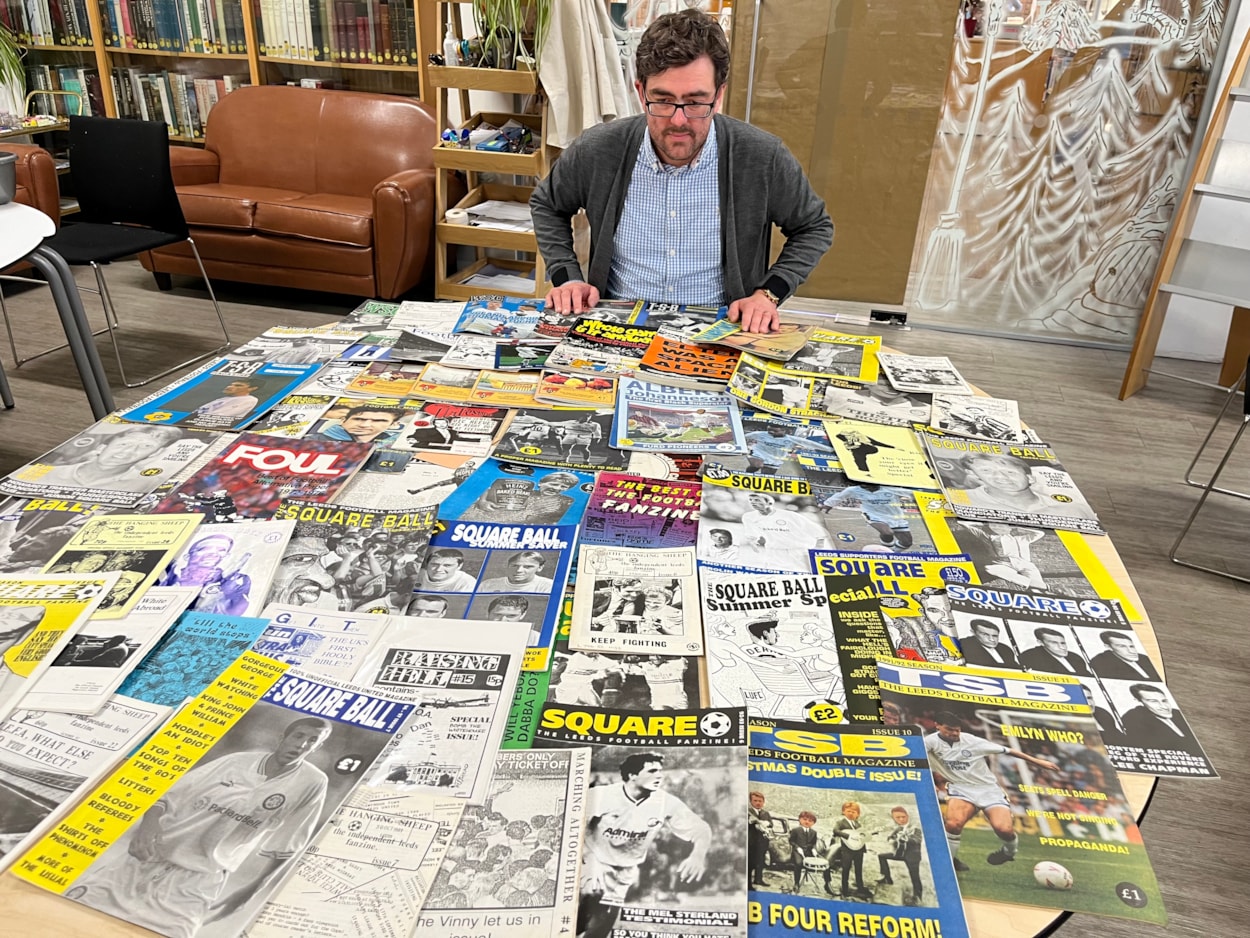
(1206, 491)
(1189, 479)
(111, 321)
(6, 393)
(4, 311)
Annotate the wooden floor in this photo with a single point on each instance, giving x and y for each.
(1128, 457)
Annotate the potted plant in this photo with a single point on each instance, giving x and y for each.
(501, 28)
(10, 59)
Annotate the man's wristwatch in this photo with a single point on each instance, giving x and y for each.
(773, 297)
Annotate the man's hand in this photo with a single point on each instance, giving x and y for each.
(145, 843)
(757, 312)
(691, 869)
(573, 297)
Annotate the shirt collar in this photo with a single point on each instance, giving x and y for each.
(651, 160)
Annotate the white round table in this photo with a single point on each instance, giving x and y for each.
(22, 230)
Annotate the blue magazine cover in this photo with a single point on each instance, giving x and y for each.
(843, 827)
(227, 396)
(660, 418)
(510, 493)
(504, 317)
(498, 573)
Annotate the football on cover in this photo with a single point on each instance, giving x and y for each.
(230, 395)
(503, 317)
(253, 475)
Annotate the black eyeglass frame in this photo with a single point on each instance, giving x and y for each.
(710, 105)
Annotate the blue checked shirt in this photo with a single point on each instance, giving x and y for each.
(667, 246)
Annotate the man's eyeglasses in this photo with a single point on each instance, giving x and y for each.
(694, 110)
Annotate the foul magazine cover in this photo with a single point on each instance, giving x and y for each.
(230, 395)
(665, 849)
(1034, 809)
(843, 827)
(252, 475)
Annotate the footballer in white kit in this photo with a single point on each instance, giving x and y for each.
(961, 759)
(622, 822)
(783, 537)
(167, 872)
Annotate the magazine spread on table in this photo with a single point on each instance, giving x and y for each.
(224, 799)
(991, 734)
(867, 841)
(665, 843)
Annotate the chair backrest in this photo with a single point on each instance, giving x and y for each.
(121, 173)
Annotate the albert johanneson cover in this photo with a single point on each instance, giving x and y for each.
(658, 418)
(636, 600)
(461, 675)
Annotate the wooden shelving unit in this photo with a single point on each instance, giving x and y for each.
(442, 80)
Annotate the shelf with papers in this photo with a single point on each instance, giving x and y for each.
(455, 287)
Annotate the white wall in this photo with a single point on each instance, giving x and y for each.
(1197, 329)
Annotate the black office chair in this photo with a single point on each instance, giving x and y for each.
(1210, 485)
(128, 204)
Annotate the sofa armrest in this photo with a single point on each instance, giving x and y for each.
(403, 229)
(192, 166)
(36, 173)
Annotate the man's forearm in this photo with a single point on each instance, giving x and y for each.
(553, 229)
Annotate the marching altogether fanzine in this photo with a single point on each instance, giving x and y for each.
(439, 613)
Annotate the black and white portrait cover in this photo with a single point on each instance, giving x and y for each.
(199, 825)
(1003, 482)
(511, 867)
(759, 522)
(1090, 639)
(665, 850)
(112, 462)
(636, 600)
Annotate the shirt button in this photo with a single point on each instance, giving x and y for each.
(671, 253)
(672, 214)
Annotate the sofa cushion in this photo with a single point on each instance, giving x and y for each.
(341, 219)
(213, 205)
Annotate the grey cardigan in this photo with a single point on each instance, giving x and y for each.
(761, 183)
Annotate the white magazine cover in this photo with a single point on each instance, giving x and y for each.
(113, 462)
(925, 374)
(296, 345)
(438, 316)
(763, 523)
(394, 480)
(979, 418)
(636, 601)
(231, 565)
(462, 675)
(319, 641)
(471, 351)
(292, 416)
(48, 760)
(770, 644)
(39, 614)
(511, 870)
(876, 402)
(333, 379)
(104, 652)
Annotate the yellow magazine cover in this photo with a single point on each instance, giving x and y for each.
(912, 592)
(505, 389)
(873, 452)
(441, 383)
(827, 352)
(39, 614)
(136, 547)
(386, 379)
(576, 391)
(1058, 563)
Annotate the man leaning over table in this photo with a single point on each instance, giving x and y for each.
(681, 200)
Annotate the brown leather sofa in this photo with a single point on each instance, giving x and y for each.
(306, 188)
(36, 179)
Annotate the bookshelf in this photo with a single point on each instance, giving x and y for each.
(481, 168)
(173, 59)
